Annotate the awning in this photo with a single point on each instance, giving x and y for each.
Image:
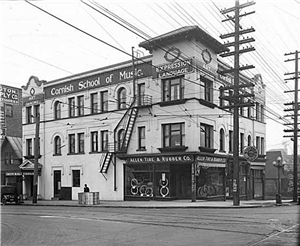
(203, 164)
(258, 165)
(28, 165)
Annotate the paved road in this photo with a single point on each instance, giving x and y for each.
(48, 225)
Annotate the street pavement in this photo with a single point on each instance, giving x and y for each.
(163, 204)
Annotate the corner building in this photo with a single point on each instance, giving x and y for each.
(149, 129)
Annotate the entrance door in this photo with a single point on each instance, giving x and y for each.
(182, 181)
(57, 183)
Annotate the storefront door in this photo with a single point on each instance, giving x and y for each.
(181, 182)
(57, 183)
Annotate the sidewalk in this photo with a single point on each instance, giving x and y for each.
(163, 204)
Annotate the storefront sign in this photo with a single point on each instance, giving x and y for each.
(250, 153)
(33, 100)
(9, 94)
(2, 117)
(173, 69)
(211, 159)
(19, 173)
(161, 159)
(102, 79)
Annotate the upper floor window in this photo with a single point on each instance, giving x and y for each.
(242, 142)
(57, 110)
(141, 94)
(208, 88)
(36, 112)
(104, 101)
(222, 140)
(94, 103)
(258, 142)
(206, 136)
(80, 142)
(72, 107)
(71, 143)
(29, 147)
(230, 141)
(172, 89)
(80, 105)
(262, 111)
(262, 146)
(121, 134)
(57, 145)
(8, 110)
(122, 98)
(257, 108)
(94, 141)
(104, 140)
(141, 138)
(222, 94)
(8, 158)
(249, 140)
(28, 115)
(173, 135)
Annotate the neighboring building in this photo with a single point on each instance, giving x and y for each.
(147, 134)
(11, 111)
(286, 174)
(11, 158)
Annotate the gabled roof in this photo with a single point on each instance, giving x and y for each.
(28, 165)
(185, 33)
(16, 144)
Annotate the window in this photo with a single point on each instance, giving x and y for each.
(262, 113)
(249, 140)
(206, 136)
(76, 178)
(71, 143)
(242, 142)
(28, 115)
(222, 94)
(208, 88)
(94, 103)
(80, 103)
(222, 140)
(72, 107)
(141, 138)
(94, 143)
(36, 112)
(57, 110)
(230, 101)
(249, 110)
(8, 110)
(173, 135)
(141, 93)
(257, 111)
(122, 98)
(262, 145)
(29, 147)
(121, 134)
(80, 142)
(8, 158)
(258, 144)
(172, 89)
(104, 101)
(230, 141)
(57, 145)
(104, 140)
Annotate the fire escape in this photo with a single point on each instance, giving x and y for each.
(123, 132)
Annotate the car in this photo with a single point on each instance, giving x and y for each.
(9, 194)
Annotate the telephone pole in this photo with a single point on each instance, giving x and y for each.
(237, 98)
(36, 157)
(295, 109)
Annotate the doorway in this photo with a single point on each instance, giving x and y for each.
(57, 183)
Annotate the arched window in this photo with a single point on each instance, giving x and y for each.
(121, 134)
(222, 140)
(57, 145)
(249, 140)
(122, 98)
(57, 110)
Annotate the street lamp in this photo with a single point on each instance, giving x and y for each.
(278, 164)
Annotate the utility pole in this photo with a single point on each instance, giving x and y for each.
(236, 99)
(295, 131)
(36, 156)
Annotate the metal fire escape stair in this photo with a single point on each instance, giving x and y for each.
(127, 122)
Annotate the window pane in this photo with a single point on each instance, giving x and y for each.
(104, 101)
(76, 178)
(81, 143)
(94, 103)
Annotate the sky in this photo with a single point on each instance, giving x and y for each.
(36, 43)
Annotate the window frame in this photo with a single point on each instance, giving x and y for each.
(94, 141)
(122, 97)
(168, 137)
(57, 110)
(94, 103)
(29, 147)
(206, 132)
(142, 138)
(104, 101)
(57, 145)
(104, 140)
(72, 144)
(80, 137)
(222, 139)
(28, 114)
(72, 106)
(10, 107)
(80, 105)
(76, 178)
(169, 86)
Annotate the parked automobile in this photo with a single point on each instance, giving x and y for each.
(9, 194)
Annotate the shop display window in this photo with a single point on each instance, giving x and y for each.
(210, 182)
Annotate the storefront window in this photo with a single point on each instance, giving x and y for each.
(139, 180)
(210, 182)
